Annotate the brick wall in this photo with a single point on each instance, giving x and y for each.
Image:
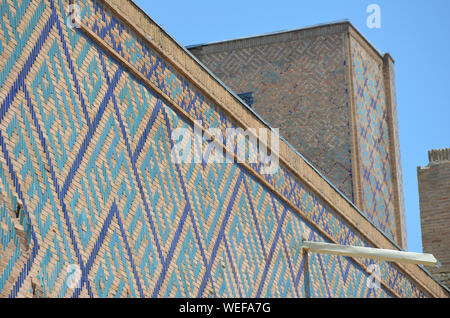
(434, 193)
(300, 85)
(373, 139)
(86, 123)
(332, 95)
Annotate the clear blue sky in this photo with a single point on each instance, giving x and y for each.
(416, 33)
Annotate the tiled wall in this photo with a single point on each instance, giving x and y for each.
(372, 132)
(85, 147)
(299, 86)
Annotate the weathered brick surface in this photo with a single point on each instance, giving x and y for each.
(434, 193)
(336, 107)
(395, 155)
(373, 139)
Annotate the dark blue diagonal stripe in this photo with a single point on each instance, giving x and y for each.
(97, 245)
(72, 70)
(171, 251)
(53, 175)
(194, 225)
(221, 233)
(147, 129)
(90, 133)
(28, 64)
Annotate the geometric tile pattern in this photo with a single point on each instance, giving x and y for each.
(373, 140)
(299, 86)
(84, 148)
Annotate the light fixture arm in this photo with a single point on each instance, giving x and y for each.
(370, 252)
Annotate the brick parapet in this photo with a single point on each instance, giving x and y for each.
(439, 155)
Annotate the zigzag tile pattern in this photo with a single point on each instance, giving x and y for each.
(398, 156)
(373, 140)
(85, 150)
